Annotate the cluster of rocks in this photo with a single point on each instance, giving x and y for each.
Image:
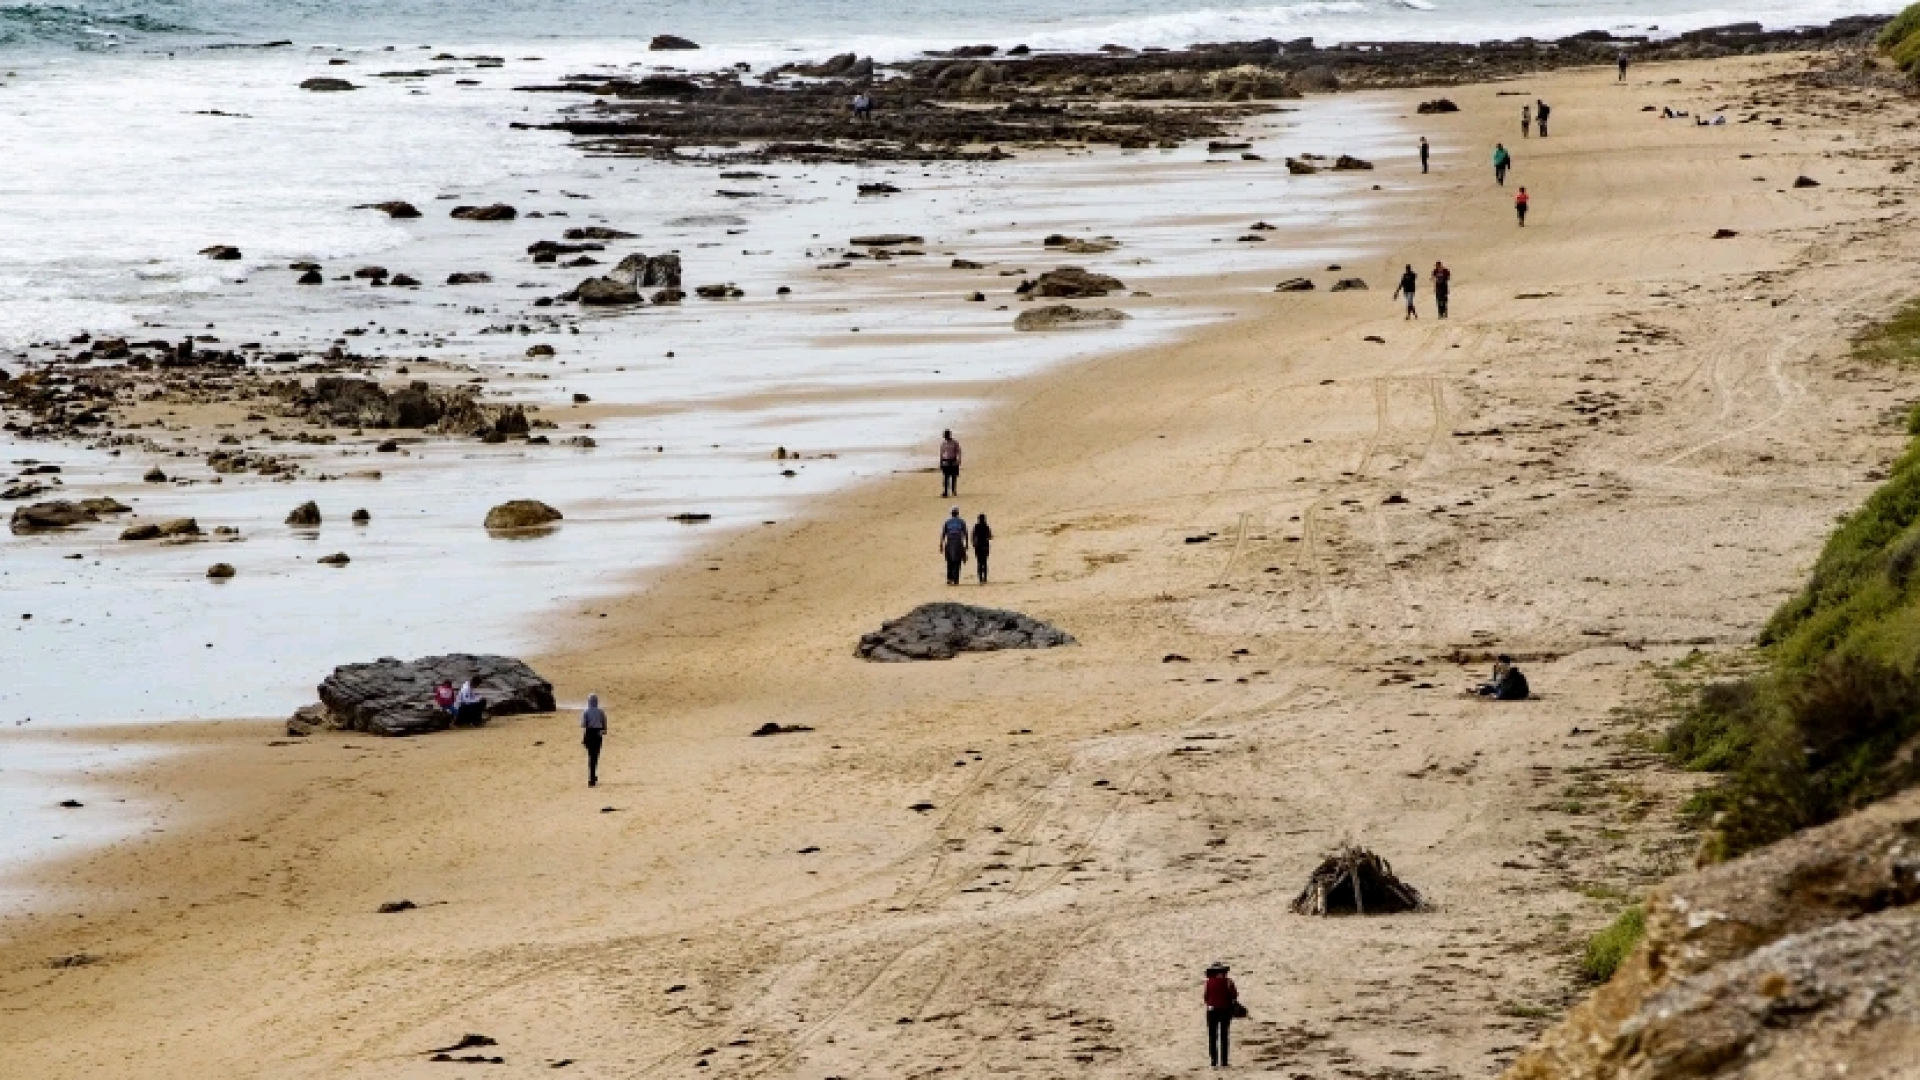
(627, 282)
(63, 513)
(341, 401)
(800, 110)
(395, 697)
(943, 631)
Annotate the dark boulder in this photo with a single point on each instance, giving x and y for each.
(327, 85)
(606, 292)
(1348, 284)
(495, 212)
(943, 631)
(305, 516)
(1298, 284)
(393, 209)
(1438, 105)
(394, 697)
(1073, 282)
(671, 43)
(648, 272)
(58, 514)
(597, 232)
(221, 252)
(521, 514)
(470, 277)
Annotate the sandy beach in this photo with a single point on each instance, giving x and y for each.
(1286, 543)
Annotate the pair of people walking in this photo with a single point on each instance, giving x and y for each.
(1537, 113)
(1410, 285)
(955, 543)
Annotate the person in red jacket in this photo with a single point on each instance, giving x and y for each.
(1223, 1001)
(1520, 206)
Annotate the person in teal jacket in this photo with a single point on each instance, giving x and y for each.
(1502, 161)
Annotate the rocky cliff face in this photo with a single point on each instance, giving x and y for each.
(1801, 959)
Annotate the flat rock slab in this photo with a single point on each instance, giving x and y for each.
(943, 631)
(395, 697)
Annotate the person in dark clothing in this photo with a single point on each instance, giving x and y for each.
(953, 544)
(1223, 1004)
(1442, 284)
(593, 728)
(469, 708)
(1424, 149)
(1520, 202)
(1409, 284)
(1506, 683)
(982, 540)
(1623, 67)
(1540, 111)
(1502, 161)
(949, 465)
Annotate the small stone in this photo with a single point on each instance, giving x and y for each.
(155, 476)
(220, 571)
(338, 558)
(361, 517)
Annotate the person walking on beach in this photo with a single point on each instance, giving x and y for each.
(953, 544)
(982, 540)
(1423, 154)
(1409, 283)
(1623, 67)
(593, 728)
(1520, 207)
(949, 465)
(1526, 120)
(1502, 161)
(1442, 281)
(1223, 1003)
(1541, 110)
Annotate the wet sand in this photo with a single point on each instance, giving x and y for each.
(1626, 445)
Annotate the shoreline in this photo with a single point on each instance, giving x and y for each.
(1105, 711)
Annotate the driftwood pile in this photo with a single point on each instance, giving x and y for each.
(1355, 881)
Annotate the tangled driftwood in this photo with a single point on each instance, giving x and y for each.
(1355, 881)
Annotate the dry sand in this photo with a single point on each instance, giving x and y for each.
(1628, 443)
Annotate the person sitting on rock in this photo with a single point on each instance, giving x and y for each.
(469, 708)
(443, 696)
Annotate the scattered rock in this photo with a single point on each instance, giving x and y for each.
(1298, 284)
(584, 442)
(1066, 317)
(104, 505)
(305, 516)
(154, 476)
(1347, 163)
(670, 43)
(718, 292)
(338, 558)
(470, 277)
(581, 399)
(405, 281)
(536, 352)
(58, 514)
(326, 85)
(886, 240)
(1724, 234)
(605, 292)
(1375, 338)
(394, 907)
(1805, 182)
(220, 571)
(943, 630)
(393, 209)
(371, 273)
(494, 212)
(1348, 284)
(361, 517)
(967, 264)
(394, 697)
(691, 519)
(1072, 282)
(311, 277)
(221, 252)
(771, 728)
(521, 514)
(879, 189)
(71, 804)
(387, 446)
(597, 232)
(1437, 105)
(1301, 168)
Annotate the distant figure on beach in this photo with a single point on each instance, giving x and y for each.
(1506, 682)
(1442, 282)
(593, 729)
(953, 544)
(1223, 1004)
(1424, 150)
(469, 708)
(1520, 207)
(982, 540)
(1623, 67)
(1526, 120)
(949, 465)
(1541, 110)
(1502, 161)
(862, 106)
(1409, 283)
(443, 696)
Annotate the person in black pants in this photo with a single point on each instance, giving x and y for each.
(1424, 149)
(593, 729)
(1540, 112)
(1223, 1004)
(982, 540)
(953, 544)
(1442, 285)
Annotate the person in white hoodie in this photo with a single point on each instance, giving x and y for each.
(593, 728)
(469, 708)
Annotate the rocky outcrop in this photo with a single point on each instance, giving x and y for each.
(494, 212)
(605, 292)
(305, 516)
(340, 401)
(648, 272)
(521, 514)
(943, 631)
(1795, 960)
(1072, 282)
(1067, 317)
(393, 208)
(58, 514)
(395, 697)
(671, 43)
(1437, 105)
(326, 85)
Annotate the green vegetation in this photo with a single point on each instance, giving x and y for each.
(1826, 726)
(1901, 39)
(1610, 947)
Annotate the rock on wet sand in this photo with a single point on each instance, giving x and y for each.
(943, 631)
(1067, 317)
(395, 697)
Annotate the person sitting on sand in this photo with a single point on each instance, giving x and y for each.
(469, 708)
(1409, 284)
(443, 696)
(953, 544)
(1506, 683)
(1222, 999)
(593, 728)
(1502, 161)
(1520, 206)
